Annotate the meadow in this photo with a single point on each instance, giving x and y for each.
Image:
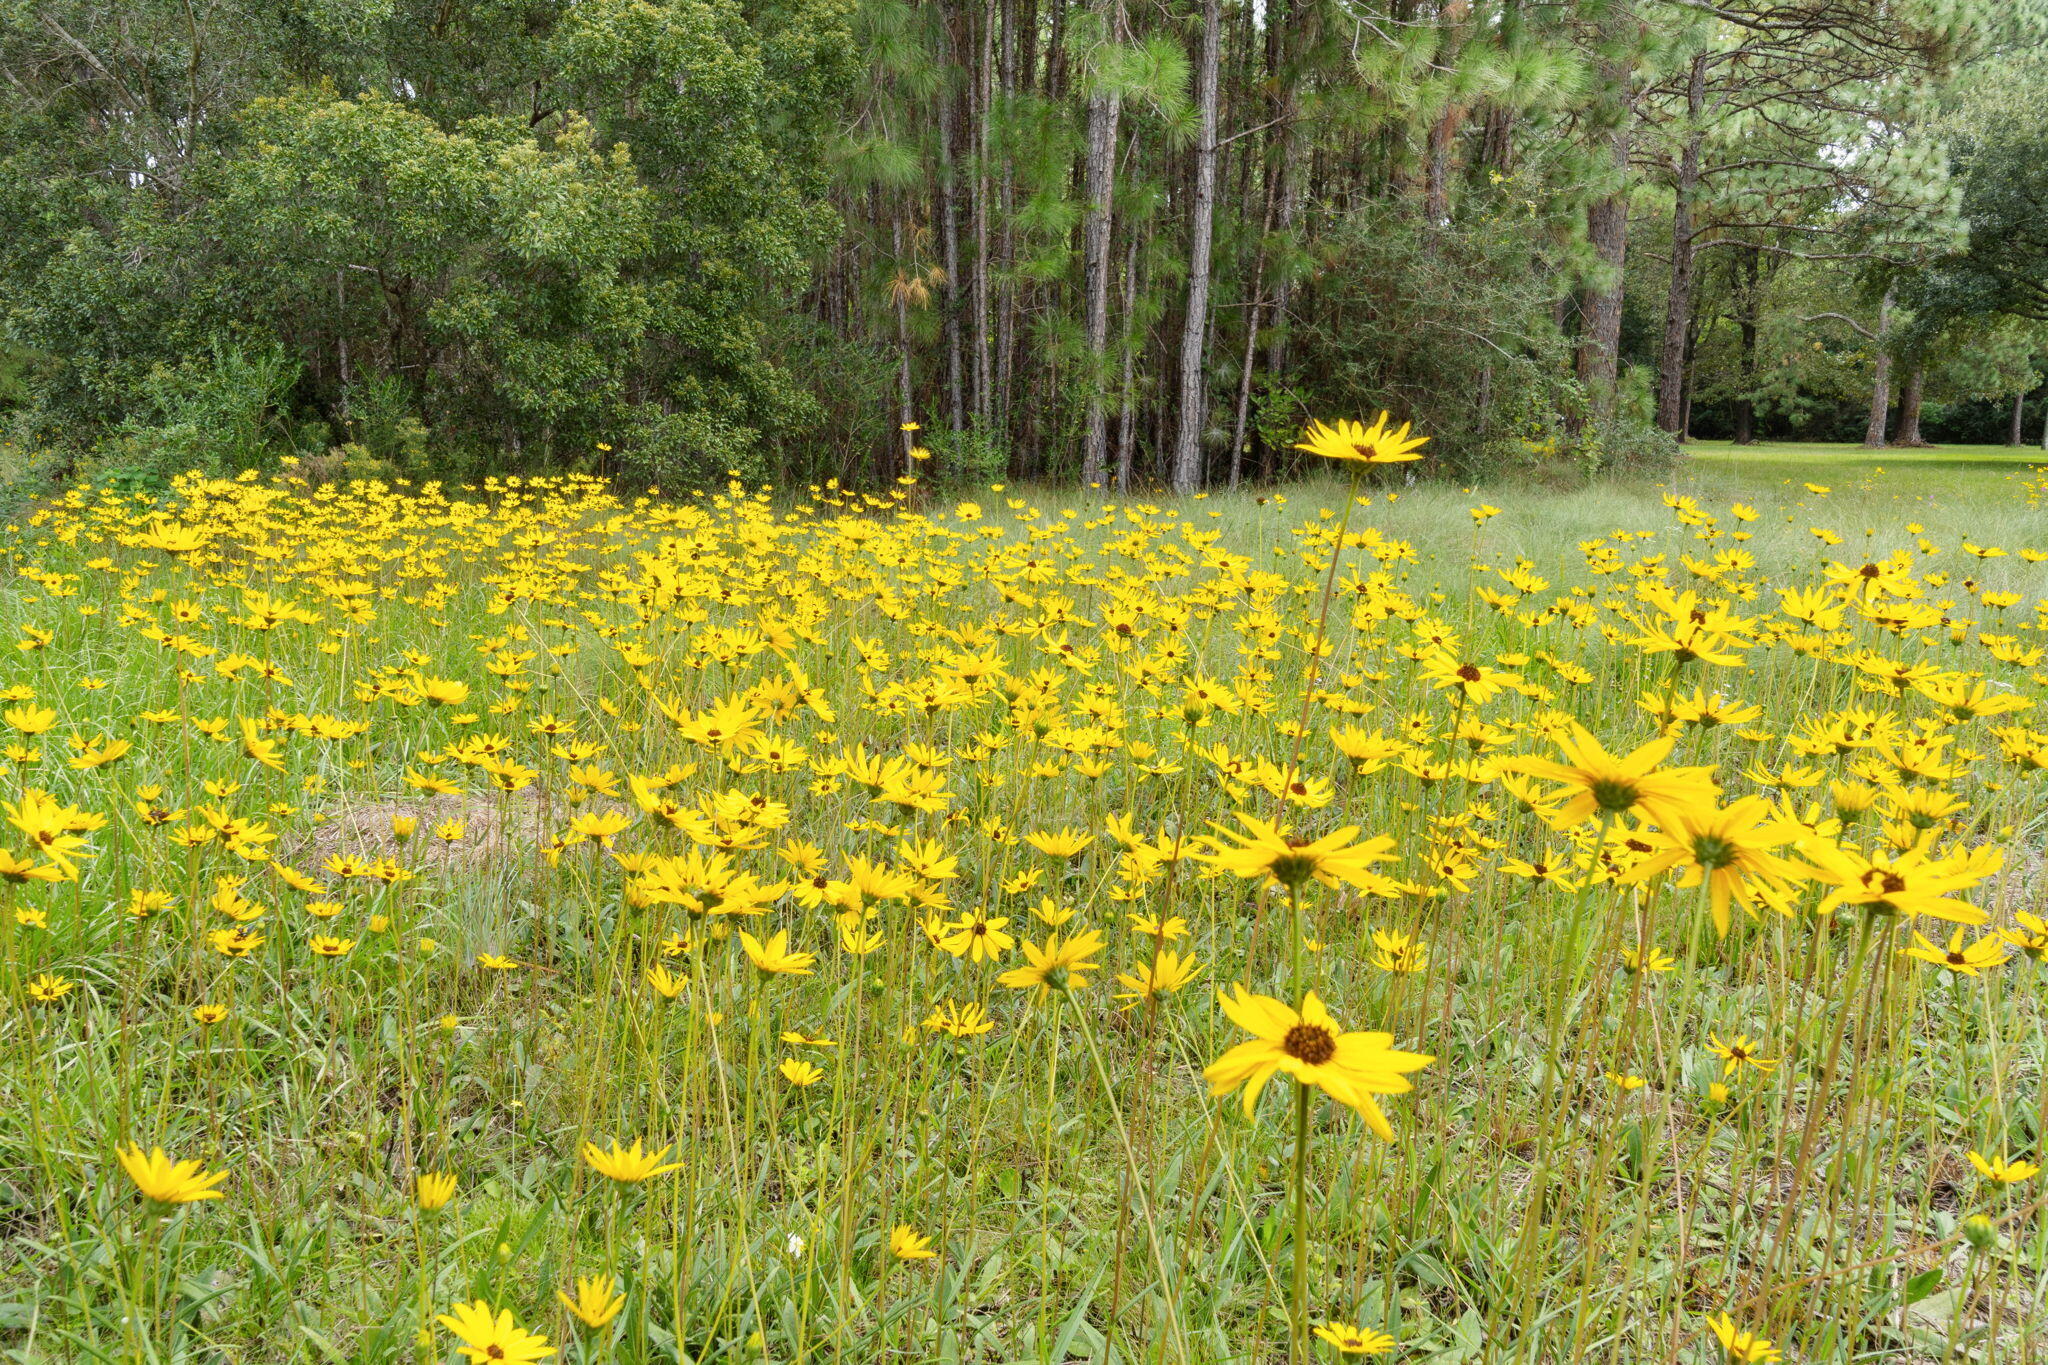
(1368, 918)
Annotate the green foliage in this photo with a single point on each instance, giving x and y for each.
(517, 237)
(672, 237)
(215, 412)
(17, 374)
(690, 449)
(2004, 266)
(380, 417)
(1452, 329)
(974, 457)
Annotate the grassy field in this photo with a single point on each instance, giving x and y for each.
(1993, 489)
(1799, 462)
(563, 926)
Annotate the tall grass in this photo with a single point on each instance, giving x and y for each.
(844, 720)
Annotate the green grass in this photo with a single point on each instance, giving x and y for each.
(1112, 673)
(1991, 495)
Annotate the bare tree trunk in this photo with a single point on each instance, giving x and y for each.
(1127, 418)
(1096, 226)
(949, 238)
(1599, 356)
(1288, 209)
(1598, 363)
(1056, 52)
(2018, 437)
(1286, 176)
(1881, 380)
(1745, 321)
(1014, 38)
(1436, 194)
(1497, 143)
(984, 372)
(1242, 418)
(1244, 379)
(1678, 300)
(1187, 446)
(1909, 409)
(1436, 190)
(1692, 342)
(906, 404)
(341, 345)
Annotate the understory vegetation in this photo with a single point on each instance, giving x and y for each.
(1086, 242)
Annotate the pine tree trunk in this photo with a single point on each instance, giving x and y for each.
(906, 395)
(1678, 299)
(1015, 38)
(1692, 344)
(1881, 379)
(1443, 134)
(1909, 409)
(1286, 176)
(1677, 311)
(984, 371)
(949, 240)
(1599, 355)
(1096, 225)
(1187, 446)
(1284, 214)
(1242, 417)
(1056, 52)
(1599, 358)
(1745, 321)
(2018, 437)
(1127, 390)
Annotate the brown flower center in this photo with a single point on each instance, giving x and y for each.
(1311, 1043)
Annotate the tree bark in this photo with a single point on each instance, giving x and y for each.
(949, 238)
(1242, 417)
(1187, 445)
(2018, 437)
(1692, 346)
(1598, 363)
(1881, 379)
(906, 391)
(1285, 175)
(1436, 192)
(1678, 299)
(1017, 40)
(1127, 390)
(1745, 321)
(1096, 225)
(979, 301)
(1909, 409)
(1599, 357)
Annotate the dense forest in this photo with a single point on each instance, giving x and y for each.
(1097, 240)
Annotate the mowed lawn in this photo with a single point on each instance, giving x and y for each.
(1992, 495)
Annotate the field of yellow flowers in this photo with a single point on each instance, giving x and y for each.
(525, 922)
